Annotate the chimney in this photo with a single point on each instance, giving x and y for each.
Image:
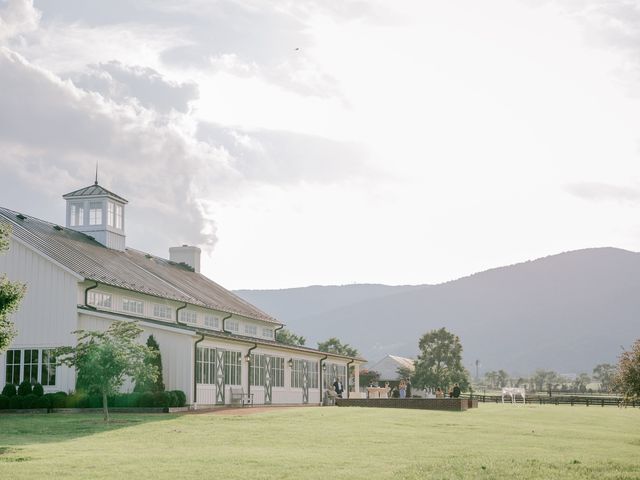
(186, 254)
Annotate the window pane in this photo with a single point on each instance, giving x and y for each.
(110, 214)
(95, 213)
(48, 369)
(13, 367)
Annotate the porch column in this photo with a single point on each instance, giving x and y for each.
(356, 380)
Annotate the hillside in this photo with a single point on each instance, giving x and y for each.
(566, 312)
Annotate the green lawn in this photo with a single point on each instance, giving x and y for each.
(493, 441)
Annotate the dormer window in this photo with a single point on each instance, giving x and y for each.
(95, 213)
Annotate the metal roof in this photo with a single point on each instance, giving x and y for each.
(131, 269)
(93, 191)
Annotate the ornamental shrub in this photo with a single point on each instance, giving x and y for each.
(120, 400)
(152, 360)
(28, 401)
(38, 390)
(15, 402)
(4, 402)
(25, 388)
(161, 399)
(42, 402)
(9, 390)
(58, 399)
(181, 398)
(95, 401)
(146, 400)
(133, 399)
(173, 399)
(77, 400)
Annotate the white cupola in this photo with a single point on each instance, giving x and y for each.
(96, 211)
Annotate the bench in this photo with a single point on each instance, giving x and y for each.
(238, 397)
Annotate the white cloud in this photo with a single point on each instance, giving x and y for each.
(336, 141)
(18, 17)
(121, 82)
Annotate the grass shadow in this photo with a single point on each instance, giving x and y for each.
(18, 430)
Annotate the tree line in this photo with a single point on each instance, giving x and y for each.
(541, 380)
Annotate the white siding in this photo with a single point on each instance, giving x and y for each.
(47, 314)
(176, 350)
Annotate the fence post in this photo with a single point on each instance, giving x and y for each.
(587, 402)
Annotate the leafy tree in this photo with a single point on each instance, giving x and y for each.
(627, 378)
(544, 378)
(289, 338)
(154, 360)
(105, 359)
(11, 294)
(440, 361)
(502, 379)
(368, 376)
(604, 373)
(333, 345)
(491, 378)
(581, 382)
(404, 372)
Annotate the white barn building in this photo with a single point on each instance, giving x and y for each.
(83, 276)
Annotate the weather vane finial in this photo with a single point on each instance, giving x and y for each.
(96, 182)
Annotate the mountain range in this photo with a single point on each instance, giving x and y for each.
(566, 312)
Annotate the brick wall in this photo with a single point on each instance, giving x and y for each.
(453, 404)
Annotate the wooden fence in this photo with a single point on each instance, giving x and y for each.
(587, 400)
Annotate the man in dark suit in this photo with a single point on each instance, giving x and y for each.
(456, 391)
(337, 386)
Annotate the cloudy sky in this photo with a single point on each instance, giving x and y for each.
(330, 142)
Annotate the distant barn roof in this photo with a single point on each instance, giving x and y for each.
(131, 269)
(93, 190)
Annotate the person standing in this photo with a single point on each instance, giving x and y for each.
(403, 389)
(456, 391)
(338, 387)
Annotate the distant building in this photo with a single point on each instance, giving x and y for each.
(83, 276)
(389, 365)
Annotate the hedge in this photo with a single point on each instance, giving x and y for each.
(9, 390)
(175, 398)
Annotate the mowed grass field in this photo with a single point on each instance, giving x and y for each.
(493, 441)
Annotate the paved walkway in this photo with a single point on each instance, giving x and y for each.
(238, 411)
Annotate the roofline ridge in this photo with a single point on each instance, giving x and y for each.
(242, 300)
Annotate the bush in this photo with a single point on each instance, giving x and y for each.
(127, 400)
(95, 401)
(38, 390)
(161, 399)
(28, 401)
(173, 399)
(9, 390)
(4, 402)
(181, 398)
(57, 400)
(42, 402)
(146, 400)
(15, 402)
(133, 399)
(77, 400)
(25, 388)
